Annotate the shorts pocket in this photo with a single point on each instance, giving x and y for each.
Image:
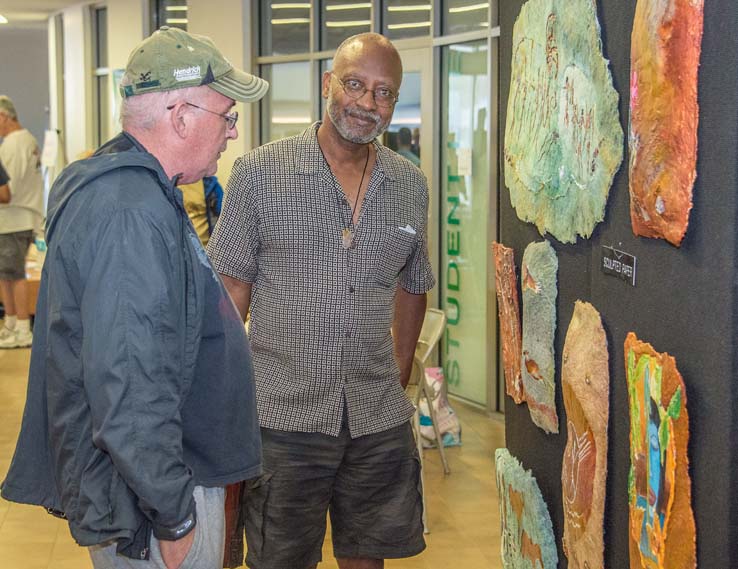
(255, 512)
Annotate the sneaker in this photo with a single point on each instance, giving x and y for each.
(16, 339)
(5, 332)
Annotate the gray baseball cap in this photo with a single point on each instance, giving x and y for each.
(171, 58)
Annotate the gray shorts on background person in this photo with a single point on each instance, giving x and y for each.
(13, 250)
(370, 485)
(207, 548)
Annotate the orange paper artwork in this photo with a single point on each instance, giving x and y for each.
(662, 527)
(586, 386)
(508, 308)
(665, 56)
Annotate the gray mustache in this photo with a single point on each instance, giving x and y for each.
(363, 115)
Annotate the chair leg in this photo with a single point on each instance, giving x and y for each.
(419, 444)
(434, 419)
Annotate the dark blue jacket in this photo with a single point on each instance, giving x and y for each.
(140, 384)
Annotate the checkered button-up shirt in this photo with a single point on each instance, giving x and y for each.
(321, 314)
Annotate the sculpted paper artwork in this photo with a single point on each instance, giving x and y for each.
(538, 282)
(665, 55)
(662, 528)
(563, 139)
(508, 310)
(527, 533)
(586, 385)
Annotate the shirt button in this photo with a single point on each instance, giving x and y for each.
(351, 289)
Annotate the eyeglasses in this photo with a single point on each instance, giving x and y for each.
(230, 118)
(383, 96)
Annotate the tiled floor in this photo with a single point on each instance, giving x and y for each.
(462, 507)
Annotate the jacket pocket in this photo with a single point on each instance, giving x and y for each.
(94, 507)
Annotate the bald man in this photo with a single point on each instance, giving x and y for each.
(323, 238)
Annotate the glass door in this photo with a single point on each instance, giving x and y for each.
(411, 133)
(468, 351)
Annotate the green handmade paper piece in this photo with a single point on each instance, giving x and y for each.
(527, 533)
(563, 139)
(538, 274)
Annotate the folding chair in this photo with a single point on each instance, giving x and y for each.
(434, 325)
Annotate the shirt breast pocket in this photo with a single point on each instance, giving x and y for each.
(398, 243)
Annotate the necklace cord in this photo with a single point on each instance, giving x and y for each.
(358, 191)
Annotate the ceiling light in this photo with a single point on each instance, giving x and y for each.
(290, 5)
(285, 21)
(409, 25)
(348, 24)
(176, 20)
(411, 8)
(291, 120)
(3, 19)
(468, 8)
(406, 120)
(348, 6)
(176, 8)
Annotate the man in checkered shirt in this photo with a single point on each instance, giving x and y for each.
(323, 237)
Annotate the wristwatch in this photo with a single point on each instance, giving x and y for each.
(178, 531)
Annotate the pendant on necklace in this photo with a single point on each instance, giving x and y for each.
(347, 238)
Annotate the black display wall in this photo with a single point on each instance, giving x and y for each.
(684, 302)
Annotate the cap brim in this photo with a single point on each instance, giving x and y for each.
(240, 86)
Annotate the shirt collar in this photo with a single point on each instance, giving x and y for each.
(309, 158)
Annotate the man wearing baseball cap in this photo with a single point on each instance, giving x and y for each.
(140, 405)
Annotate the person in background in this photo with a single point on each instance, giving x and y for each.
(203, 200)
(323, 237)
(404, 146)
(21, 212)
(4, 188)
(141, 405)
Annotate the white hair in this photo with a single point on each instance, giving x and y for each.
(7, 107)
(143, 112)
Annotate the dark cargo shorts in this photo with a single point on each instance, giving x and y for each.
(13, 249)
(370, 485)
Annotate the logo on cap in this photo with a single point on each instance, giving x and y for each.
(187, 73)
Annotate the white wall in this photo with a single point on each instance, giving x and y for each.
(77, 81)
(127, 26)
(25, 76)
(227, 23)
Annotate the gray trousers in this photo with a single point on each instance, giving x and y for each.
(207, 547)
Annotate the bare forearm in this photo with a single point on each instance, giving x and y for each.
(240, 293)
(173, 553)
(5, 193)
(409, 315)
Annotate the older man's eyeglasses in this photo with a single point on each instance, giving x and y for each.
(230, 118)
(383, 96)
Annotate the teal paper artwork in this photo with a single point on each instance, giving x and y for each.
(538, 283)
(527, 533)
(563, 138)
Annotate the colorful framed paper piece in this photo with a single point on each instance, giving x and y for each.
(586, 386)
(662, 527)
(537, 366)
(527, 534)
(508, 309)
(563, 139)
(665, 56)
